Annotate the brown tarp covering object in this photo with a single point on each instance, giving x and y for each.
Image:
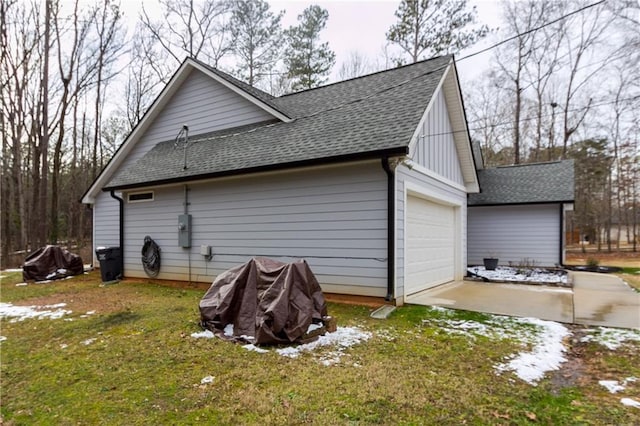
(271, 301)
(51, 263)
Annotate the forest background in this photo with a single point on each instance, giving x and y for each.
(562, 82)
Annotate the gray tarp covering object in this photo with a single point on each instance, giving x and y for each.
(51, 263)
(271, 301)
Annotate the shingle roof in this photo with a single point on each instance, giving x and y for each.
(253, 91)
(526, 183)
(365, 117)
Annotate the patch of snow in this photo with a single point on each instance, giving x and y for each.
(496, 327)
(611, 338)
(2, 338)
(614, 386)
(313, 327)
(630, 402)
(254, 348)
(21, 284)
(342, 338)
(611, 385)
(207, 379)
(21, 313)
(13, 270)
(88, 341)
(532, 276)
(228, 330)
(207, 334)
(546, 355)
(63, 346)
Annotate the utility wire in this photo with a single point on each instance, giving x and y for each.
(529, 31)
(506, 123)
(421, 75)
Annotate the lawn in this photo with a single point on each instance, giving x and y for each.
(125, 354)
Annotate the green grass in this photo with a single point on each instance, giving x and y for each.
(144, 368)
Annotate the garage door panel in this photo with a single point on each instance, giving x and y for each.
(430, 247)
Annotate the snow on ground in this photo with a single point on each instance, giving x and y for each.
(207, 334)
(630, 402)
(531, 276)
(207, 379)
(545, 337)
(613, 386)
(341, 339)
(21, 313)
(611, 338)
(547, 353)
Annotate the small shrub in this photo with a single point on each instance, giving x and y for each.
(593, 262)
(525, 266)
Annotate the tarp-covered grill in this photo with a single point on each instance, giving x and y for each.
(266, 302)
(50, 263)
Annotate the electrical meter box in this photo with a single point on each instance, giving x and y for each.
(184, 230)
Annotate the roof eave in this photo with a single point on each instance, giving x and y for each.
(520, 203)
(385, 153)
(160, 101)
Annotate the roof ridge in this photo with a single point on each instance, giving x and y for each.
(365, 76)
(539, 163)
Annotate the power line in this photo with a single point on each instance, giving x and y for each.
(632, 98)
(409, 80)
(529, 31)
(505, 123)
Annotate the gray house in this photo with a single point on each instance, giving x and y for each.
(366, 179)
(519, 217)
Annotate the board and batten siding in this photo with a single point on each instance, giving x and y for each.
(202, 104)
(333, 217)
(434, 189)
(435, 148)
(515, 233)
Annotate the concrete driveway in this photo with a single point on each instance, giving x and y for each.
(595, 299)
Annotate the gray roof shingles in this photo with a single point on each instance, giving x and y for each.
(362, 116)
(551, 182)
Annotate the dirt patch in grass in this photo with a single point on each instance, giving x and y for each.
(572, 372)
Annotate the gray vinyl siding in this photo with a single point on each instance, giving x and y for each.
(435, 149)
(514, 233)
(105, 220)
(202, 104)
(335, 218)
(437, 188)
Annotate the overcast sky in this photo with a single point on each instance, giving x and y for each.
(357, 25)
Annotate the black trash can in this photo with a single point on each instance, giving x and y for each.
(110, 260)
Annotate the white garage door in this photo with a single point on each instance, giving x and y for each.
(430, 247)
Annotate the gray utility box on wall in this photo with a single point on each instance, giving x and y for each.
(184, 230)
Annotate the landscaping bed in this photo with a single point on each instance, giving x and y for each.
(513, 275)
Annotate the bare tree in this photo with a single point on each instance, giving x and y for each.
(194, 28)
(108, 47)
(355, 65)
(514, 58)
(142, 82)
(586, 31)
